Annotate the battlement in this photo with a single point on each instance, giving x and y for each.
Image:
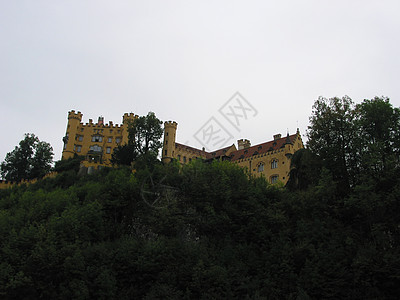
(73, 115)
(171, 124)
(100, 124)
(4, 184)
(129, 117)
(96, 125)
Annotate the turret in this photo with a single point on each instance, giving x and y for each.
(168, 151)
(126, 119)
(74, 119)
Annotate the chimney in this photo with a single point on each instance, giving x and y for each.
(100, 121)
(243, 144)
(277, 136)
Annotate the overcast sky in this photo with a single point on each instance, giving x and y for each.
(184, 60)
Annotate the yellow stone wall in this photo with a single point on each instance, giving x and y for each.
(103, 138)
(4, 184)
(185, 154)
(276, 163)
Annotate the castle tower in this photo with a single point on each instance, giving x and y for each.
(126, 120)
(168, 151)
(74, 119)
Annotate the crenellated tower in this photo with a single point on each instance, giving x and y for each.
(74, 120)
(126, 120)
(168, 151)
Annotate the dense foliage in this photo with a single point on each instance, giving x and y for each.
(144, 143)
(31, 159)
(209, 231)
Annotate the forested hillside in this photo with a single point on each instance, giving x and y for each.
(211, 231)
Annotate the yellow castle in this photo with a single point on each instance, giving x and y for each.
(270, 159)
(95, 141)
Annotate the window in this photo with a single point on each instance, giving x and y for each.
(274, 164)
(179, 157)
(165, 152)
(260, 167)
(108, 150)
(184, 159)
(78, 148)
(95, 148)
(65, 146)
(274, 179)
(109, 140)
(97, 138)
(118, 140)
(166, 142)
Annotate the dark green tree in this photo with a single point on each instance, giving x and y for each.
(31, 159)
(144, 135)
(331, 136)
(305, 170)
(379, 145)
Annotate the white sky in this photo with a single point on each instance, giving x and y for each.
(185, 59)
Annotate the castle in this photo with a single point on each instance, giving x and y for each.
(270, 159)
(95, 141)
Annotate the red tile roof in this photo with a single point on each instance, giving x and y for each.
(218, 153)
(262, 148)
(243, 153)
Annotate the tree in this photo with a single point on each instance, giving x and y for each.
(305, 170)
(144, 135)
(331, 136)
(379, 125)
(31, 159)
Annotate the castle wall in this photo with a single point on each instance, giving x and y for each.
(185, 154)
(4, 184)
(96, 141)
(276, 163)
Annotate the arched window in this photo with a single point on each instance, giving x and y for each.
(274, 164)
(274, 179)
(260, 167)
